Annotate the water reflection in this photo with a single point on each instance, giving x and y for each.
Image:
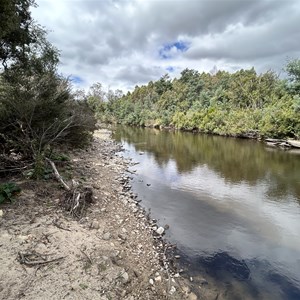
(223, 262)
(235, 160)
(232, 206)
(243, 279)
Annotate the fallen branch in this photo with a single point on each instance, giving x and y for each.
(26, 259)
(57, 175)
(75, 199)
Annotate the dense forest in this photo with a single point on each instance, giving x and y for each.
(244, 103)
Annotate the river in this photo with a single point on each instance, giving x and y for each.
(233, 207)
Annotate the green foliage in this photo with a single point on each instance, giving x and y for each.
(16, 35)
(293, 70)
(38, 110)
(8, 191)
(57, 156)
(244, 103)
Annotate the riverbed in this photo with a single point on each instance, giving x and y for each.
(232, 206)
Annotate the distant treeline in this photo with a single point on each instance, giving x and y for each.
(243, 103)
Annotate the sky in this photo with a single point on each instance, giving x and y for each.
(124, 43)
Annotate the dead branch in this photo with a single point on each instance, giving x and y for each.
(30, 259)
(57, 175)
(75, 199)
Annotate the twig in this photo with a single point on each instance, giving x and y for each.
(60, 227)
(41, 262)
(89, 259)
(76, 202)
(23, 259)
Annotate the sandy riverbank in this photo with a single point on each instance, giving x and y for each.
(110, 253)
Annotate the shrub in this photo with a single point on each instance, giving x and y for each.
(8, 191)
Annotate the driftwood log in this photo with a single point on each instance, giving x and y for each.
(76, 198)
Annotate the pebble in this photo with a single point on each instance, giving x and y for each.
(125, 277)
(160, 230)
(186, 289)
(192, 296)
(172, 290)
(122, 236)
(106, 236)
(151, 281)
(1, 213)
(95, 224)
(158, 278)
(203, 281)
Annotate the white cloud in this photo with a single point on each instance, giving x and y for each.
(118, 43)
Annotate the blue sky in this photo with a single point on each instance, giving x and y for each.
(77, 80)
(171, 50)
(122, 44)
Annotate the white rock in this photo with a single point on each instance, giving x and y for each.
(95, 224)
(186, 289)
(192, 296)
(158, 278)
(125, 277)
(160, 230)
(106, 236)
(172, 290)
(1, 213)
(151, 281)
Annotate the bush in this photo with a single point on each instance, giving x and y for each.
(8, 191)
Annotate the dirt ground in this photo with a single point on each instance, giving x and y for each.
(113, 252)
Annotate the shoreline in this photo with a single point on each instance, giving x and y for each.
(113, 252)
(286, 142)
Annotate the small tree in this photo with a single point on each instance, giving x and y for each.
(293, 70)
(37, 107)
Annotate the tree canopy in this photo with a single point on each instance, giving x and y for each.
(16, 30)
(243, 103)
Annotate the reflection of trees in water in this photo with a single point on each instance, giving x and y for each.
(235, 160)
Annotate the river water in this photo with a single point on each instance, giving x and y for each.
(233, 207)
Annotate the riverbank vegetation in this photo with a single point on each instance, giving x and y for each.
(243, 104)
(38, 110)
